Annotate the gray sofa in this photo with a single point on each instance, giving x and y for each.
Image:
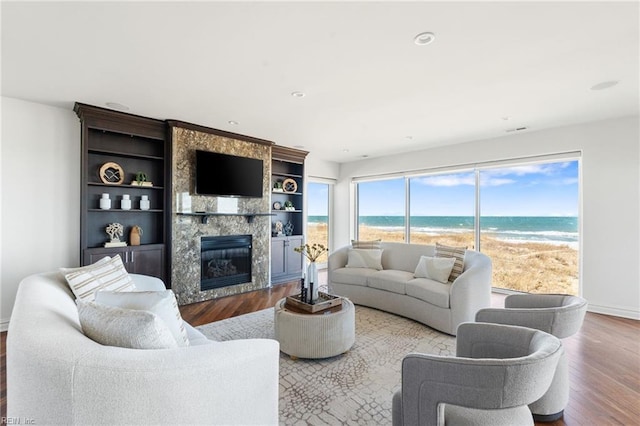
(394, 289)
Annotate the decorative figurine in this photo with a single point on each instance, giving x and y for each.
(115, 231)
(278, 228)
(288, 229)
(134, 235)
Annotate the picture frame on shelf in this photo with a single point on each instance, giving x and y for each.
(289, 185)
(111, 173)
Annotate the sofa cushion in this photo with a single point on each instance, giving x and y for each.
(353, 276)
(125, 328)
(457, 252)
(107, 273)
(390, 280)
(359, 244)
(364, 258)
(435, 268)
(429, 291)
(161, 303)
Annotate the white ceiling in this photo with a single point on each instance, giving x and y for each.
(369, 89)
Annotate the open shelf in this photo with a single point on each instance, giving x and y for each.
(204, 216)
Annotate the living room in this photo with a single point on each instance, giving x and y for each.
(51, 59)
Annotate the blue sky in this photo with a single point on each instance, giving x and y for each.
(318, 199)
(546, 189)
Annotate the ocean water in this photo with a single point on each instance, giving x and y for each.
(542, 229)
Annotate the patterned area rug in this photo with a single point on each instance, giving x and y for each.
(350, 389)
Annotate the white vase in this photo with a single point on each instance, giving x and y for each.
(125, 204)
(105, 202)
(312, 280)
(144, 202)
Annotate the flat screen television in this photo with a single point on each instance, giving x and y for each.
(228, 175)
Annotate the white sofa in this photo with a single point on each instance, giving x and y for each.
(394, 289)
(56, 375)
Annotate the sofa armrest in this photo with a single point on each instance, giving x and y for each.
(338, 259)
(471, 291)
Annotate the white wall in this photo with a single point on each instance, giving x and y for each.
(40, 183)
(610, 198)
(40, 188)
(315, 167)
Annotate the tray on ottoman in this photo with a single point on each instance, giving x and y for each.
(325, 301)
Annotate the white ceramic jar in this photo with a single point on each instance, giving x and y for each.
(125, 204)
(105, 202)
(144, 202)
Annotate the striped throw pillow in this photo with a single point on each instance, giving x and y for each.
(456, 252)
(106, 274)
(374, 244)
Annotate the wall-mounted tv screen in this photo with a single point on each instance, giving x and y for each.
(228, 175)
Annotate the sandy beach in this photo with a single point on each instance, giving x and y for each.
(523, 266)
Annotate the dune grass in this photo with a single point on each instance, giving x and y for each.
(528, 267)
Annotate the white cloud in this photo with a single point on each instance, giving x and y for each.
(500, 176)
(447, 180)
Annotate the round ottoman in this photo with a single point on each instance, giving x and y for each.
(315, 335)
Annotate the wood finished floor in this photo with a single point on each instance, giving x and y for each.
(604, 358)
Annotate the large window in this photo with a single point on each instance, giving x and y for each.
(318, 217)
(529, 226)
(381, 207)
(442, 209)
(524, 216)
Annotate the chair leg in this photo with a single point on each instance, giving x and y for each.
(546, 418)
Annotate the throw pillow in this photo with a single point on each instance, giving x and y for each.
(373, 244)
(435, 268)
(161, 303)
(106, 274)
(125, 328)
(457, 252)
(365, 258)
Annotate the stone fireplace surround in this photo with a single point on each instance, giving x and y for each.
(187, 231)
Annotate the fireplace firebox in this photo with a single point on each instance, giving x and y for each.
(225, 261)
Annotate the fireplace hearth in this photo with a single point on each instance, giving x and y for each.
(225, 261)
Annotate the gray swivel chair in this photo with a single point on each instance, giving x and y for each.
(557, 314)
(497, 371)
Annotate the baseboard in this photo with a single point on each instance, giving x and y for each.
(614, 311)
(4, 325)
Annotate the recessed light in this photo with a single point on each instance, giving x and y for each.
(298, 146)
(604, 85)
(345, 150)
(115, 105)
(408, 138)
(425, 38)
(298, 94)
(506, 118)
(232, 122)
(517, 129)
(365, 156)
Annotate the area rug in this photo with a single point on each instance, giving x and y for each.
(354, 388)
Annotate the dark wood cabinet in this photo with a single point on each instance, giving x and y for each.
(287, 188)
(286, 263)
(145, 259)
(134, 144)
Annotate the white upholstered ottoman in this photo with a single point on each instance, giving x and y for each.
(315, 336)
